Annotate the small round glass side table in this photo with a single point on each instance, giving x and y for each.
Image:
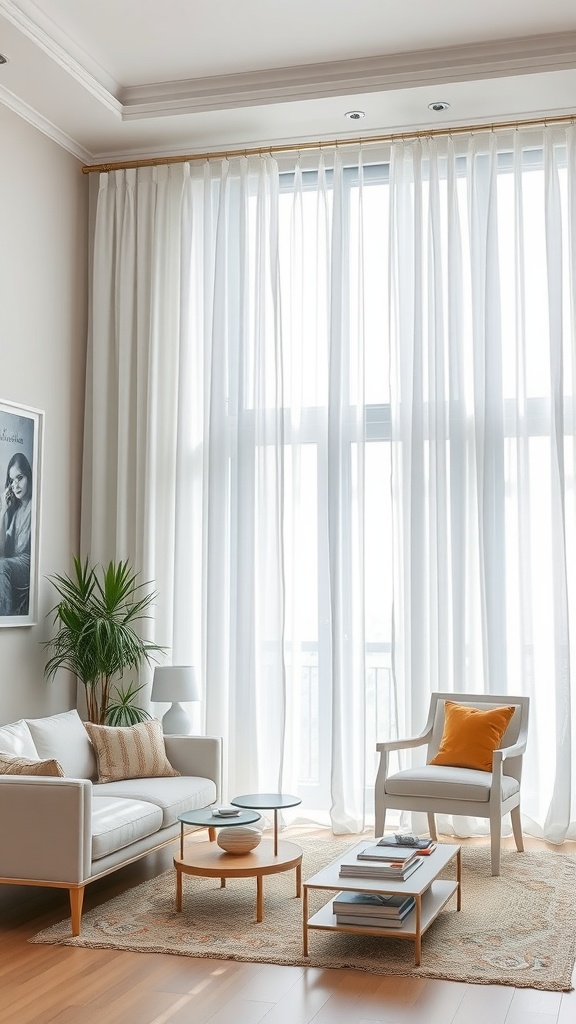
(268, 802)
(204, 818)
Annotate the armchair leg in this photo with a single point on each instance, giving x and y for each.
(517, 829)
(379, 820)
(432, 827)
(495, 833)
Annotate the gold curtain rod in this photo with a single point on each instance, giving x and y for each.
(300, 147)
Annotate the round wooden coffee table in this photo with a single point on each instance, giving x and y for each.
(209, 861)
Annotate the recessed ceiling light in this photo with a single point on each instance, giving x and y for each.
(355, 115)
(439, 105)
(3, 59)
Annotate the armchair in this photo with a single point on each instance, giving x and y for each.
(456, 790)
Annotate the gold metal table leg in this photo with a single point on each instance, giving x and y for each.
(275, 831)
(178, 889)
(259, 898)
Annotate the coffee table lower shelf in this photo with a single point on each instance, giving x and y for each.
(432, 903)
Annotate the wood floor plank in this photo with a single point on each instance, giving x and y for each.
(482, 1003)
(241, 1011)
(271, 982)
(527, 1017)
(567, 1011)
(399, 991)
(532, 1006)
(439, 1001)
(304, 999)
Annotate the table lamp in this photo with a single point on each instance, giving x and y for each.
(173, 684)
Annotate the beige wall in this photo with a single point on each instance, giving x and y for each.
(43, 302)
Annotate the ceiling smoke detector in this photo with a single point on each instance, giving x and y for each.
(355, 115)
(439, 105)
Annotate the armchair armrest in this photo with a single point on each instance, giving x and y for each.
(516, 750)
(46, 829)
(513, 756)
(197, 755)
(413, 741)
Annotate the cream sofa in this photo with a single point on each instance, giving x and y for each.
(66, 832)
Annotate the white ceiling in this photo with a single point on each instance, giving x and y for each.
(114, 79)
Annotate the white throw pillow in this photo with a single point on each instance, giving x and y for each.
(64, 738)
(15, 738)
(130, 751)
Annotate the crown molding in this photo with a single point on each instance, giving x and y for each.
(503, 58)
(500, 58)
(43, 125)
(75, 66)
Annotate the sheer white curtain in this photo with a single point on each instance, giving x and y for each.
(482, 395)
(225, 450)
(330, 412)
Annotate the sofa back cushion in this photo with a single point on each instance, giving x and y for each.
(64, 738)
(16, 739)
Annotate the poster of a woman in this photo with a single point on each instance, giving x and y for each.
(20, 457)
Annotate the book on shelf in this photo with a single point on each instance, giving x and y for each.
(373, 904)
(371, 869)
(363, 921)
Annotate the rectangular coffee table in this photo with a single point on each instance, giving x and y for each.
(431, 895)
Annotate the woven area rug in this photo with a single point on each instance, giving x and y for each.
(518, 929)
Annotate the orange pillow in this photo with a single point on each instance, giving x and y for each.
(471, 736)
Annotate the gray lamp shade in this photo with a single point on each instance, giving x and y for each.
(173, 684)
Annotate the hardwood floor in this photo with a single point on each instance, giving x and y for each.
(61, 985)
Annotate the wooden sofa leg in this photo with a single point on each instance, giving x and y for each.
(76, 901)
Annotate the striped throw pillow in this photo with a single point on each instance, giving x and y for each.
(130, 752)
(12, 765)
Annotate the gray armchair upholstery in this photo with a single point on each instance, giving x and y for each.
(437, 789)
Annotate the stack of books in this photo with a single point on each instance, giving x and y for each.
(381, 862)
(371, 909)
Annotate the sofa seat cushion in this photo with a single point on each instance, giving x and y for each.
(173, 796)
(119, 823)
(64, 738)
(436, 781)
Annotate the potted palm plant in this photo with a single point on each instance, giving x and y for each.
(97, 614)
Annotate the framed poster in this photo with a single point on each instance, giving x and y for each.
(20, 482)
